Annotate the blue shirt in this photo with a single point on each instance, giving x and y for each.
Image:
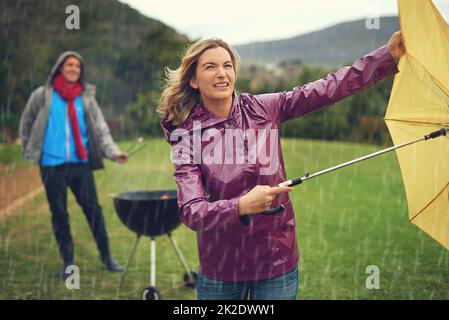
(59, 145)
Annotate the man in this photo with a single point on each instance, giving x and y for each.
(63, 130)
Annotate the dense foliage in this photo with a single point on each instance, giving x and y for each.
(125, 55)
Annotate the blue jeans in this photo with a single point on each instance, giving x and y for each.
(284, 287)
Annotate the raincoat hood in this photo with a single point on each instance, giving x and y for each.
(201, 115)
(88, 88)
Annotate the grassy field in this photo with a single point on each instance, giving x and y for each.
(10, 158)
(346, 221)
(9, 153)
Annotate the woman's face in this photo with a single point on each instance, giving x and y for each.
(215, 75)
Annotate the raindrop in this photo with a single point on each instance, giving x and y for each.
(93, 285)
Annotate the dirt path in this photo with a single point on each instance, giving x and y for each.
(18, 187)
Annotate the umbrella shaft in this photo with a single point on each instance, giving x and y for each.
(371, 155)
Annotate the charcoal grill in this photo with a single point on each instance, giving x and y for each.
(151, 214)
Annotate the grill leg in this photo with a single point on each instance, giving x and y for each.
(153, 263)
(131, 255)
(181, 257)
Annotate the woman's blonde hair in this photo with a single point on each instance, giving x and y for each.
(178, 98)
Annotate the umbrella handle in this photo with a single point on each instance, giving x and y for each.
(288, 183)
(271, 212)
(246, 220)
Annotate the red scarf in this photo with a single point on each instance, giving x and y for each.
(69, 94)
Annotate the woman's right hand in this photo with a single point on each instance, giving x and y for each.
(259, 199)
(396, 45)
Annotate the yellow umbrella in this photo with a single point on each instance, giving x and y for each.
(419, 104)
(418, 111)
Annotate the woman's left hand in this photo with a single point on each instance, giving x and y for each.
(396, 45)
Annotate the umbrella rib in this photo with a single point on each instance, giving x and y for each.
(432, 76)
(422, 210)
(417, 122)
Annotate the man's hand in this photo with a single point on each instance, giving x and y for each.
(121, 157)
(259, 199)
(396, 45)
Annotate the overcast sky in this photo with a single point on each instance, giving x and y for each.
(241, 21)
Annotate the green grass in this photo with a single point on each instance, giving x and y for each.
(10, 153)
(346, 221)
(10, 158)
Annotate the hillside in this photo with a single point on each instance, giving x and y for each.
(33, 34)
(332, 46)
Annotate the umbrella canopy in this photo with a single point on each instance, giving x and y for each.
(419, 104)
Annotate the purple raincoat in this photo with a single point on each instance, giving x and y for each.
(218, 160)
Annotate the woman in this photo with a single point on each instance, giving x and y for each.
(220, 143)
